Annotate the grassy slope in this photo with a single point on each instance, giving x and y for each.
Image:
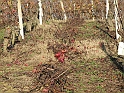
(97, 75)
(1, 38)
(1, 34)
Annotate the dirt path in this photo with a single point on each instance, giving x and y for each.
(93, 72)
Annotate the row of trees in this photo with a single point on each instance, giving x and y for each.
(54, 9)
(33, 12)
(58, 9)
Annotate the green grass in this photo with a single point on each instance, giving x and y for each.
(39, 37)
(88, 26)
(96, 79)
(100, 88)
(69, 91)
(87, 68)
(47, 22)
(88, 29)
(1, 37)
(2, 34)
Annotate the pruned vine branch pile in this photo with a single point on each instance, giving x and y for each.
(52, 78)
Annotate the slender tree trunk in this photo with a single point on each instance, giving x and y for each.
(74, 9)
(116, 20)
(102, 14)
(117, 25)
(80, 11)
(109, 18)
(51, 9)
(107, 8)
(62, 6)
(20, 19)
(40, 12)
(92, 9)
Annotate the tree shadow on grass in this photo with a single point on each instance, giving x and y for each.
(114, 59)
(106, 32)
(119, 64)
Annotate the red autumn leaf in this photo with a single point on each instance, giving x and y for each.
(71, 48)
(64, 51)
(101, 44)
(17, 62)
(13, 10)
(25, 64)
(9, 65)
(34, 70)
(45, 90)
(40, 64)
(102, 59)
(57, 55)
(61, 58)
(72, 41)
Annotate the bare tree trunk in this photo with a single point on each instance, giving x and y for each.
(51, 9)
(107, 8)
(108, 17)
(74, 9)
(118, 29)
(92, 9)
(20, 19)
(7, 38)
(62, 6)
(80, 11)
(116, 20)
(102, 14)
(40, 12)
